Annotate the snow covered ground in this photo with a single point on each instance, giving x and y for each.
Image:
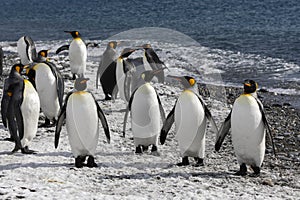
(121, 174)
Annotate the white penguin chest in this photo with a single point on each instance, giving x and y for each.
(189, 112)
(145, 112)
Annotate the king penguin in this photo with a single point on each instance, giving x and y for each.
(81, 112)
(77, 54)
(124, 72)
(191, 116)
(49, 84)
(248, 125)
(107, 71)
(26, 50)
(152, 61)
(146, 111)
(22, 113)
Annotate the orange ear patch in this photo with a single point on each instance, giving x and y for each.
(192, 81)
(18, 69)
(43, 54)
(9, 94)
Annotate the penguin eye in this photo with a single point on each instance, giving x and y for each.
(192, 81)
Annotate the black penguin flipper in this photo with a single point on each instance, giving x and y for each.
(4, 106)
(167, 125)
(161, 108)
(208, 115)
(128, 108)
(62, 48)
(103, 120)
(1, 60)
(13, 125)
(30, 44)
(266, 124)
(4, 102)
(224, 130)
(99, 72)
(60, 85)
(60, 120)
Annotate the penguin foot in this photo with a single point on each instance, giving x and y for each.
(47, 124)
(145, 148)
(79, 161)
(16, 149)
(256, 171)
(91, 162)
(26, 150)
(138, 149)
(154, 148)
(199, 162)
(242, 171)
(185, 162)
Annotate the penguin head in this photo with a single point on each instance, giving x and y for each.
(75, 34)
(148, 75)
(250, 86)
(112, 44)
(126, 52)
(17, 68)
(186, 81)
(80, 83)
(42, 55)
(146, 46)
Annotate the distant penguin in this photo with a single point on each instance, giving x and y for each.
(191, 116)
(22, 113)
(152, 61)
(123, 74)
(146, 111)
(26, 50)
(77, 54)
(248, 125)
(49, 84)
(81, 112)
(107, 71)
(1, 60)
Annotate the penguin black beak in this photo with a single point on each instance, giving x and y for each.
(68, 32)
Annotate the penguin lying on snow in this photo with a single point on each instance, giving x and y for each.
(77, 54)
(190, 115)
(81, 112)
(26, 50)
(146, 110)
(22, 111)
(107, 71)
(248, 125)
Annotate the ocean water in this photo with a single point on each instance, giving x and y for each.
(236, 39)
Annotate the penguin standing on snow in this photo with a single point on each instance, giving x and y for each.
(107, 71)
(49, 84)
(22, 111)
(26, 50)
(77, 54)
(152, 61)
(190, 115)
(248, 125)
(124, 72)
(146, 111)
(81, 112)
